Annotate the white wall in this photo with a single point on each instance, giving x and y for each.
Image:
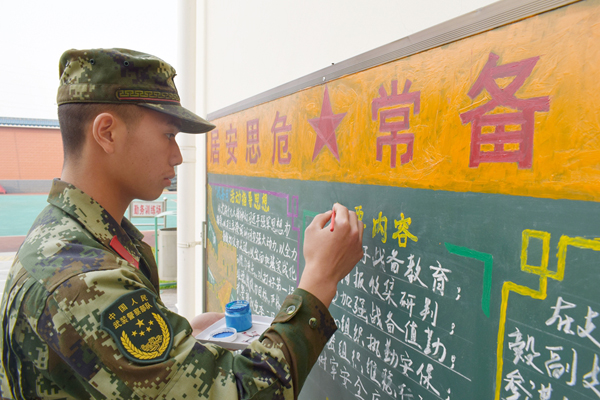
(254, 46)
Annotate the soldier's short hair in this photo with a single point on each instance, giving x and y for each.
(74, 119)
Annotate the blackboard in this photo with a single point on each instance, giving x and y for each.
(480, 273)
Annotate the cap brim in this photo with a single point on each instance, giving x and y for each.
(190, 122)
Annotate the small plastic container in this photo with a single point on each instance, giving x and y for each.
(238, 315)
(224, 334)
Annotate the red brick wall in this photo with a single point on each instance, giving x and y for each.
(30, 153)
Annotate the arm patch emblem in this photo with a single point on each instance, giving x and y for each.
(141, 331)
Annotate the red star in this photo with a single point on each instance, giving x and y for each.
(325, 127)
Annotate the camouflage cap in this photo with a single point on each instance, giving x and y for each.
(121, 76)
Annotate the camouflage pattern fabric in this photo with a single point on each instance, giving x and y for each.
(67, 274)
(121, 76)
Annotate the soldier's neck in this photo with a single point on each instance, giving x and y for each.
(98, 186)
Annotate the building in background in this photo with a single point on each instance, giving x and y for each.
(31, 154)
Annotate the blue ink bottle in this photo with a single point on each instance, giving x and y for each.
(238, 315)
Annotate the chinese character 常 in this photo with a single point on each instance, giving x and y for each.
(388, 120)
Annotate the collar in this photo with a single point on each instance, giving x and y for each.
(96, 220)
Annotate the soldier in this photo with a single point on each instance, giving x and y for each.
(81, 312)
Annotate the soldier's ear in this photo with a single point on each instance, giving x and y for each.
(104, 131)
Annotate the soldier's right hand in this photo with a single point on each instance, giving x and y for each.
(329, 254)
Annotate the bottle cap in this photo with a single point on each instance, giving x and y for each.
(237, 307)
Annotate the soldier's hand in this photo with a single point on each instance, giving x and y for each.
(330, 255)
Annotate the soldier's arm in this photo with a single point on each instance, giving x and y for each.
(74, 322)
(304, 324)
(117, 365)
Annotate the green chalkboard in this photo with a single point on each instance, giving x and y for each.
(459, 295)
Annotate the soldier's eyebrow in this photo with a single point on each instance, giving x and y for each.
(175, 123)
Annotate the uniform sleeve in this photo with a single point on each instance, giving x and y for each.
(273, 367)
(301, 329)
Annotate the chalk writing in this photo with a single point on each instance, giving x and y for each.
(402, 234)
(267, 245)
(257, 200)
(537, 370)
(389, 305)
(380, 227)
(557, 364)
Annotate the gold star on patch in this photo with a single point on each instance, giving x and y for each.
(134, 333)
(150, 322)
(148, 329)
(142, 333)
(140, 323)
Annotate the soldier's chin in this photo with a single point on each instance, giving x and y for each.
(150, 195)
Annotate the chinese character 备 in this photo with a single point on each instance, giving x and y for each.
(505, 137)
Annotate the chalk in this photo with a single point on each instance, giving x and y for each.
(332, 221)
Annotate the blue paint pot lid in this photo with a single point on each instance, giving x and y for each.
(237, 307)
(224, 334)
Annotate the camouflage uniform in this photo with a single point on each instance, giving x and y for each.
(74, 269)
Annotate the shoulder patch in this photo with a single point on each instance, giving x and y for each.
(142, 332)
